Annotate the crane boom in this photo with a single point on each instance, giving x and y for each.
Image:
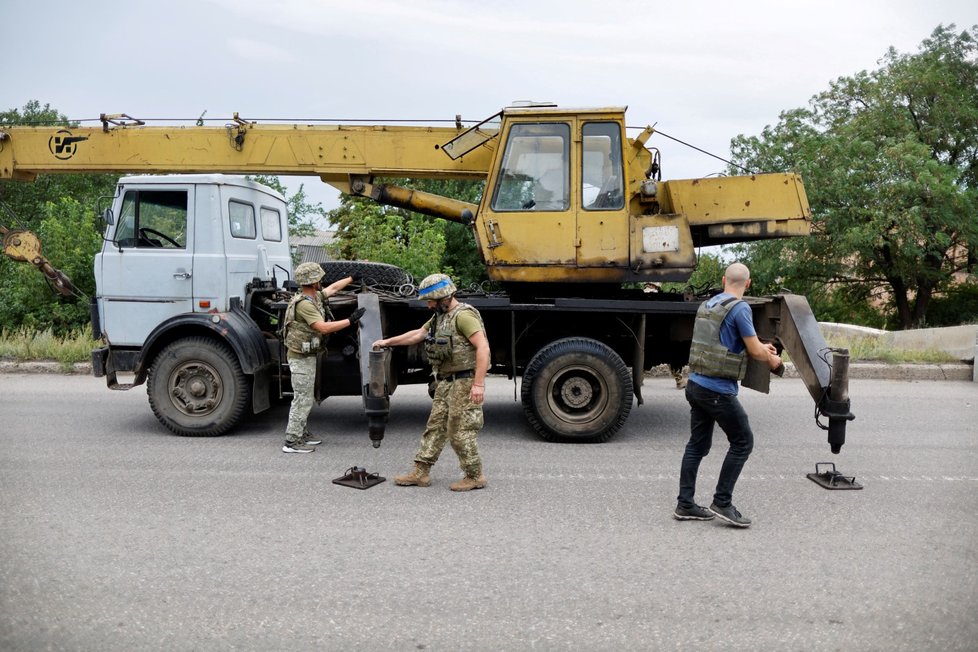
(332, 152)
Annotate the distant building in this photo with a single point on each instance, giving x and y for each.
(311, 248)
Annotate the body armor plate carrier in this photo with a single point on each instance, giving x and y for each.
(298, 336)
(447, 350)
(708, 355)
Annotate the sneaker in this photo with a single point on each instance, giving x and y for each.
(694, 513)
(295, 447)
(311, 442)
(730, 515)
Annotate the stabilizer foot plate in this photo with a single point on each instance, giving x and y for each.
(826, 476)
(358, 478)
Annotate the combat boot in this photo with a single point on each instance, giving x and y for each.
(468, 483)
(416, 477)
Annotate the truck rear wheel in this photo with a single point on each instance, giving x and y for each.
(576, 389)
(196, 388)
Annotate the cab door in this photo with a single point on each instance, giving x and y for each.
(146, 269)
(602, 219)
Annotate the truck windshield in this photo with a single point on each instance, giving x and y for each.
(535, 170)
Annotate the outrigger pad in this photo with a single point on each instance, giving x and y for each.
(358, 478)
(832, 479)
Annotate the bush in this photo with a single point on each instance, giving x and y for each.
(957, 306)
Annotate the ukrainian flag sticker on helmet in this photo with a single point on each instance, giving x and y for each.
(436, 286)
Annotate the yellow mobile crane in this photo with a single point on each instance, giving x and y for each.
(572, 209)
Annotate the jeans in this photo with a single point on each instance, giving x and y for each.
(708, 408)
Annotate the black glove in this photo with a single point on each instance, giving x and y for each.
(357, 315)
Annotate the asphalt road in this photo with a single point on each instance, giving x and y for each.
(115, 535)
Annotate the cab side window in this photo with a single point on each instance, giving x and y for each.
(535, 173)
(153, 219)
(602, 185)
(242, 220)
(271, 225)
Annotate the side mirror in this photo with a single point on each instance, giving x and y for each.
(107, 217)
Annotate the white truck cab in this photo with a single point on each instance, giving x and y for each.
(180, 244)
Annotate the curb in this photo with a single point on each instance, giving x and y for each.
(882, 371)
(45, 367)
(862, 370)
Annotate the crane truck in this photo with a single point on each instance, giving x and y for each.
(194, 273)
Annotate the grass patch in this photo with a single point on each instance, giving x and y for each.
(871, 349)
(25, 346)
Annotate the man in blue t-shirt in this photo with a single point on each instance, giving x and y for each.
(715, 369)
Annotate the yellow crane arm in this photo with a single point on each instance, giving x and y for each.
(332, 152)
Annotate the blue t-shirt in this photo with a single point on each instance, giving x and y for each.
(738, 324)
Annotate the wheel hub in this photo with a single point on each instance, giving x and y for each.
(195, 389)
(576, 392)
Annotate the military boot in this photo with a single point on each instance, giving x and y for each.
(469, 483)
(416, 477)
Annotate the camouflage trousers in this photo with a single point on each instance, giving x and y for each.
(456, 419)
(303, 391)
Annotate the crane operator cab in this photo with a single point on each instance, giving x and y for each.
(570, 198)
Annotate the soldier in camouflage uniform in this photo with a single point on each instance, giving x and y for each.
(307, 326)
(457, 348)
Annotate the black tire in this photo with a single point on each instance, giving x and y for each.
(197, 389)
(370, 273)
(577, 389)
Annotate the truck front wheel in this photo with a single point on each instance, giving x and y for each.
(196, 388)
(576, 389)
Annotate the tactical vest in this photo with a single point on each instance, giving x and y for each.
(299, 337)
(708, 355)
(447, 350)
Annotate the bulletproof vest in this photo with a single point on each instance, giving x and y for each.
(708, 355)
(299, 337)
(447, 350)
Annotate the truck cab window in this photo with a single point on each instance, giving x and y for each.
(271, 225)
(153, 219)
(535, 172)
(601, 178)
(242, 220)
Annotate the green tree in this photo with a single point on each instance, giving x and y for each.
(60, 209)
(419, 244)
(890, 162)
(371, 232)
(70, 237)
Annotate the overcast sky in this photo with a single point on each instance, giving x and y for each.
(704, 71)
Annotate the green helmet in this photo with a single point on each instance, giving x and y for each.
(436, 286)
(308, 273)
